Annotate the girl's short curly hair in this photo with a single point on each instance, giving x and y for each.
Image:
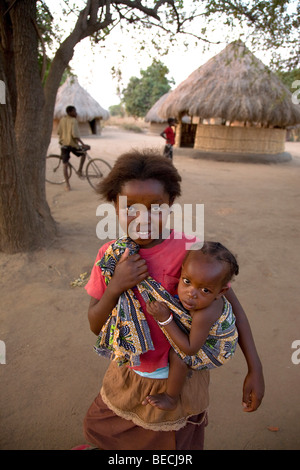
(140, 165)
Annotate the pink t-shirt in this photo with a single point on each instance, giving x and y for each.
(164, 265)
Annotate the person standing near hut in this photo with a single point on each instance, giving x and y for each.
(69, 140)
(169, 135)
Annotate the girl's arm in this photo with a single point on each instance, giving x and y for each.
(99, 310)
(189, 344)
(129, 271)
(254, 387)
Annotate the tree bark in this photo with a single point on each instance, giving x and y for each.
(20, 224)
(25, 219)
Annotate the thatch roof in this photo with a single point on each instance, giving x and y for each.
(235, 86)
(72, 94)
(152, 115)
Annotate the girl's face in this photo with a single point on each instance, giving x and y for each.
(201, 281)
(141, 217)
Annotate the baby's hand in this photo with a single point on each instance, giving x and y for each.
(159, 310)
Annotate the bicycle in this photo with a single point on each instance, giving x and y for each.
(95, 169)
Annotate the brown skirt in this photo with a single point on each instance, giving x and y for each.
(117, 420)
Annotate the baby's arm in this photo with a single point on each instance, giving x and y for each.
(254, 387)
(201, 324)
(129, 271)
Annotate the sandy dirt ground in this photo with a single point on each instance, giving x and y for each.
(51, 373)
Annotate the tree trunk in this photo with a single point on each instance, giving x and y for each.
(21, 227)
(25, 126)
(25, 219)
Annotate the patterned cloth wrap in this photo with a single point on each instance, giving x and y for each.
(126, 335)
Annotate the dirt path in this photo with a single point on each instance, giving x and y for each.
(51, 374)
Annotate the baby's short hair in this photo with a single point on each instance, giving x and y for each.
(220, 253)
(140, 165)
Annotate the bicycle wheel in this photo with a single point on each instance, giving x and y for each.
(95, 170)
(54, 170)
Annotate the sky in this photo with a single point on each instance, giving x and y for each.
(93, 65)
(93, 69)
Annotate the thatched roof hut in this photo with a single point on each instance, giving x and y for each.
(152, 115)
(89, 111)
(157, 123)
(237, 89)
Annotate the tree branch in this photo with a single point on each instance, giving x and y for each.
(137, 5)
(86, 25)
(44, 66)
(10, 7)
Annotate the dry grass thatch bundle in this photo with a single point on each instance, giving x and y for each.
(235, 86)
(152, 115)
(72, 94)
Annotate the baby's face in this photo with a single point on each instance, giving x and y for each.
(201, 281)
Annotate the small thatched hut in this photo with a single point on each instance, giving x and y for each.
(239, 104)
(89, 112)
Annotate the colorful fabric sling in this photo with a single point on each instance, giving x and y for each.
(126, 334)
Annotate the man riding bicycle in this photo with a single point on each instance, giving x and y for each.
(69, 140)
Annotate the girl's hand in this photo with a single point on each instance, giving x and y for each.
(253, 391)
(159, 310)
(129, 271)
